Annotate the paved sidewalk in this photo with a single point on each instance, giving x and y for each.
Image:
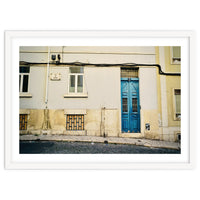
(114, 140)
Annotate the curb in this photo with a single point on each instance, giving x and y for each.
(129, 141)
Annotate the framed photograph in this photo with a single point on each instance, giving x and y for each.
(99, 99)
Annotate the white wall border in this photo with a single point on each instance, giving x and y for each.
(14, 39)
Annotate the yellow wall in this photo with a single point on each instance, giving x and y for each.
(172, 82)
(169, 67)
(167, 128)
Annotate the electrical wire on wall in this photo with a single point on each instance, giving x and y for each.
(128, 65)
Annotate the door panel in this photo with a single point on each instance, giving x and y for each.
(130, 105)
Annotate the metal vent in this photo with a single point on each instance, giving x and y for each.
(129, 73)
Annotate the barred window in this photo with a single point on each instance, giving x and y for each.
(23, 121)
(134, 104)
(75, 122)
(124, 105)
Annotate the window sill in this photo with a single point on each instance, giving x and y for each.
(25, 95)
(177, 119)
(75, 96)
(75, 112)
(175, 62)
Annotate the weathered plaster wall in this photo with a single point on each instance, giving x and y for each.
(149, 102)
(97, 122)
(101, 90)
(151, 117)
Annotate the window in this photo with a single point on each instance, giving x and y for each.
(134, 105)
(124, 105)
(23, 122)
(24, 79)
(177, 96)
(74, 122)
(76, 80)
(176, 55)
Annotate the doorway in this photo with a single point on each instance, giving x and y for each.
(130, 105)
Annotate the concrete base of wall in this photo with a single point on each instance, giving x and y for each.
(101, 122)
(169, 133)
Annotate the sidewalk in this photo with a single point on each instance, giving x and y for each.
(114, 140)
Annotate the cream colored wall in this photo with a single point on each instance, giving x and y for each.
(102, 88)
(148, 101)
(90, 54)
(36, 89)
(92, 49)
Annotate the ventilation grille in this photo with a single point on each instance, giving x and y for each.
(129, 73)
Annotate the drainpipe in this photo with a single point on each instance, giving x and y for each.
(102, 126)
(47, 79)
(46, 123)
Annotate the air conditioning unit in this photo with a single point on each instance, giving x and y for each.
(55, 58)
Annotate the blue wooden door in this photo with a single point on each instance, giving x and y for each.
(130, 105)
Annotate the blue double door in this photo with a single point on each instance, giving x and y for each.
(130, 105)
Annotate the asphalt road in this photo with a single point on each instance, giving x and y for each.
(53, 147)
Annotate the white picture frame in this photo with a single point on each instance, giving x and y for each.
(14, 39)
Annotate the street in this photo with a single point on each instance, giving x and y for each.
(59, 147)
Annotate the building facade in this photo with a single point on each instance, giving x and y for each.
(101, 91)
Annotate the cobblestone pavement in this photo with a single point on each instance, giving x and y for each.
(94, 139)
(60, 147)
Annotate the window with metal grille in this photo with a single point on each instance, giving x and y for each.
(23, 121)
(75, 122)
(129, 73)
(124, 105)
(134, 104)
